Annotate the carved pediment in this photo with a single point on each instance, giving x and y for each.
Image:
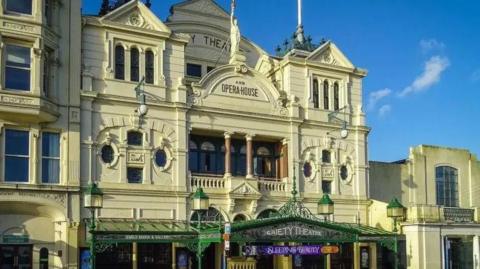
(245, 189)
(208, 7)
(330, 54)
(136, 14)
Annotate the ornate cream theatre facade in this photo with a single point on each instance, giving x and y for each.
(240, 127)
(39, 133)
(439, 187)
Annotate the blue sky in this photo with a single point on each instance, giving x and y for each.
(423, 58)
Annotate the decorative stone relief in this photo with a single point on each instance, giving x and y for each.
(327, 58)
(136, 157)
(59, 198)
(18, 27)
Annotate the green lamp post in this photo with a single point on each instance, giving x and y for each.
(93, 199)
(325, 206)
(395, 210)
(201, 204)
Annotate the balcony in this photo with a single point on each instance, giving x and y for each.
(27, 108)
(440, 214)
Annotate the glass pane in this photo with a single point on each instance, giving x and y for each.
(207, 146)
(16, 142)
(343, 172)
(160, 158)
(18, 56)
(107, 154)
(119, 62)
(16, 169)
(134, 65)
(20, 6)
(307, 169)
(24, 257)
(50, 171)
(194, 70)
(51, 145)
(326, 156)
(327, 187)
(17, 79)
(193, 161)
(134, 175)
(135, 138)
(149, 67)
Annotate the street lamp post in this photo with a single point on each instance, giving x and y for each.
(325, 206)
(93, 201)
(395, 210)
(200, 204)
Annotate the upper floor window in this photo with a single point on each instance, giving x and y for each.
(326, 98)
(149, 67)
(50, 158)
(326, 186)
(264, 161)
(17, 153)
(326, 156)
(194, 70)
(207, 158)
(315, 93)
(446, 178)
(119, 62)
(135, 138)
(134, 65)
(336, 97)
(134, 175)
(17, 68)
(19, 6)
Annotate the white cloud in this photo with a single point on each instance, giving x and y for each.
(384, 110)
(428, 45)
(434, 68)
(376, 96)
(475, 75)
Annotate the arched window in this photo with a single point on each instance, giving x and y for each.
(315, 93)
(193, 156)
(119, 62)
(326, 156)
(326, 95)
(264, 162)
(239, 217)
(267, 213)
(447, 186)
(211, 215)
(336, 98)
(134, 65)
(241, 161)
(149, 67)
(44, 258)
(207, 157)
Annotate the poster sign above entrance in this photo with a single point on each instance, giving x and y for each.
(287, 250)
(15, 239)
(241, 88)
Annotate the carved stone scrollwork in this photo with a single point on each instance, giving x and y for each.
(242, 69)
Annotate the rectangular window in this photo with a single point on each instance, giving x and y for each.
(194, 70)
(16, 156)
(50, 158)
(134, 175)
(17, 68)
(19, 6)
(326, 187)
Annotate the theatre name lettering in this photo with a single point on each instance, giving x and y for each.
(239, 88)
(210, 41)
(292, 231)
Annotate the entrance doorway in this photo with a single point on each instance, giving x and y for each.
(16, 256)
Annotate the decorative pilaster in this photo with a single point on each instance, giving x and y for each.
(228, 147)
(34, 176)
(249, 158)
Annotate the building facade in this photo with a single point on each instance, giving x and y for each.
(439, 187)
(39, 133)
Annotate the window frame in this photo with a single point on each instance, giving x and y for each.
(137, 132)
(141, 174)
(118, 64)
(134, 64)
(5, 64)
(326, 95)
(336, 96)
(43, 157)
(272, 157)
(191, 65)
(453, 201)
(11, 12)
(5, 130)
(315, 94)
(149, 68)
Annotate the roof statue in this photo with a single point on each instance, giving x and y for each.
(235, 37)
(110, 5)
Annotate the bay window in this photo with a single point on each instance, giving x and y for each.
(17, 155)
(17, 68)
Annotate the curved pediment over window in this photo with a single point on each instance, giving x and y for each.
(239, 88)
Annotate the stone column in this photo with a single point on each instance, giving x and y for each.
(134, 255)
(249, 156)
(228, 147)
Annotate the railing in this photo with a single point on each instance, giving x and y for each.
(459, 215)
(207, 182)
(241, 263)
(276, 186)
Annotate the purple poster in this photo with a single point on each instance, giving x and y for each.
(283, 250)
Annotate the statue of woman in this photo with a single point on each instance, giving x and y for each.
(234, 33)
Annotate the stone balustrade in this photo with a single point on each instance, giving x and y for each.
(241, 263)
(272, 186)
(207, 182)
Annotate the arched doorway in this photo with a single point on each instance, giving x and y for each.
(267, 213)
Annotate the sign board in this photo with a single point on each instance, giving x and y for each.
(15, 239)
(283, 250)
(240, 87)
(145, 237)
(330, 249)
(228, 228)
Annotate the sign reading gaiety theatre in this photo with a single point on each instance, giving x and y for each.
(241, 88)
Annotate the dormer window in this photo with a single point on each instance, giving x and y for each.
(134, 65)
(19, 6)
(119, 62)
